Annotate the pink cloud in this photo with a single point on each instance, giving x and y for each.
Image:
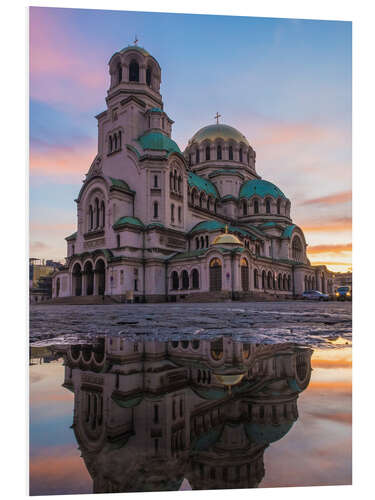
(73, 161)
(331, 199)
(62, 70)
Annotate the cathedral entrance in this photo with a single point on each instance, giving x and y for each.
(244, 275)
(77, 279)
(89, 273)
(215, 275)
(100, 276)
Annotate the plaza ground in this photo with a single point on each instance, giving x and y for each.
(313, 323)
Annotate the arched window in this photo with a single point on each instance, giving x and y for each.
(219, 152)
(118, 240)
(256, 278)
(102, 209)
(263, 279)
(268, 206)
(171, 181)
(269, 280)
(185, 279)
(115, 142)
(278, 207)
(256, 207)
(279, 282)
(296, 249)
(284, 282)
(215, 275)
(119, 73)
(202, 242)
(179, 214)
(156, 183)
(175, 180)
(208, 152)
(134, 71)
(156, 210)
(110, 144)
(175, 281)
(179, 184)
(148, 76)
(197, 156)
(244, 275)
(241, 155)
(244, 207)
(172, 212)
(91, 218)
(201, 199)
(97, 214)
(231, 152)
(197, 243)
(207, 241)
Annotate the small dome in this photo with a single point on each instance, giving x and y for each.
(260, 187)
(218, 131)
(229, 379)
(135, 47)
(227, 239)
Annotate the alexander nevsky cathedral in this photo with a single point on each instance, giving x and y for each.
(155, 223)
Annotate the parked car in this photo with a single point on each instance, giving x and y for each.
(314, 295)
(344, 293)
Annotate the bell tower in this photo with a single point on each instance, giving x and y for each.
(134, 72)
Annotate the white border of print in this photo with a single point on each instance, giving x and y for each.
(14, 38)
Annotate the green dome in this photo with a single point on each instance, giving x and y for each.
(158, 142)
(219, 130)
(135, 47)
(261, 188)
(267, 433)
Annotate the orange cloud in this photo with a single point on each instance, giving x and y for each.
(332, 199)
(342, 418)
(36, 226)
(337, 249)
(331, 363)
(328, 225)
(339, 386)
(283, 133)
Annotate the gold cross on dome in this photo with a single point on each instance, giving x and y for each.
(217, 116)
(135, 40)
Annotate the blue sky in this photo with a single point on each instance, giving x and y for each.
(285, 84)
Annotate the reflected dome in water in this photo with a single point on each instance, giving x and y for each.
(149, 414)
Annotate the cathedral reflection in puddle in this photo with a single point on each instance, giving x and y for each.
(149, 415)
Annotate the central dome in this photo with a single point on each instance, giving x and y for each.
(218, 131)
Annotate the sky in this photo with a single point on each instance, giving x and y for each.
(284, 83)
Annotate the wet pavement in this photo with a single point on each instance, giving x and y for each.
(172, 397)
(312, 322)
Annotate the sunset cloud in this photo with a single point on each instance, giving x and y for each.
(336, 249)
(331, 199)
(328, 225)
(71, 161)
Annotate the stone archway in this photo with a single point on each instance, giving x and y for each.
(77, 279)
(244, 275)
(89, 274)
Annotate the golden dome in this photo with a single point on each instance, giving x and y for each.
(229, 379)
(227, 239)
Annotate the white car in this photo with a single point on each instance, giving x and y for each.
(314, 295)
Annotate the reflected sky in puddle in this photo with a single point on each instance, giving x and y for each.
(200, 414)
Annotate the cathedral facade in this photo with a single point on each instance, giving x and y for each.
(155, 223)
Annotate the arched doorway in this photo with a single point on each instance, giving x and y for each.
(77, 279)
(185, 279)
(215, 275)
(89, 273)
(195, 278)
(100, 276)
(263, 279)
(175, 281)
(244, 275)
(269, 280)
(57, 287)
